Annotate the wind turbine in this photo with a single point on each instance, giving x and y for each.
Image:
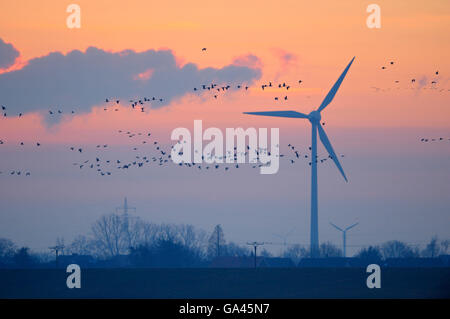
(314, 117)
(344, 235)
(284, 237)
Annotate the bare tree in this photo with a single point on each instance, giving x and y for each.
(7, 249)
(397, 249)
(193, 238)
(116, 234)
(82, 245)
(371, 253)
(135, 231)
(109, 234)
(216, 242)
(187, 235)
(232, 249)
(432, 249)
(328, 249)
(150, 233)
(265, 253)
(444, 246)
(296, 252)
(168, 232)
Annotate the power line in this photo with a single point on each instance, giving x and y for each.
(361, 245)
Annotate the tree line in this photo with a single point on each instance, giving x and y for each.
(168, 245)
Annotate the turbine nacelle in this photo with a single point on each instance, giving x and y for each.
(314, 117)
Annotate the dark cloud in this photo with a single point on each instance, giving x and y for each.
(79, 80)
(8, 54)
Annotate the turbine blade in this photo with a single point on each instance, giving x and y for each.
(351, 226)
(334, 89)
(327, 144)
(338, 228)
(290, 114)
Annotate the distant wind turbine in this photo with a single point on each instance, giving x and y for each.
(314, 117)
(344, 235)
(285, 236)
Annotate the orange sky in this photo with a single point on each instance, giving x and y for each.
(323, 36)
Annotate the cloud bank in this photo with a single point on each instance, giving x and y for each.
(249, 60)
(8, 54)
(80, 80)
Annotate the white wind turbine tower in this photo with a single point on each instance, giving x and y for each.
(344, 236)
(314, 117)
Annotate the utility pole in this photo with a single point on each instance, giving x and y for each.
(255, 247)
(56, 249)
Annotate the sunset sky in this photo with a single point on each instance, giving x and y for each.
(398, 186)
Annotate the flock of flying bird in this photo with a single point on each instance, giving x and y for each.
(425, 140)
(216, 89)
(135, 104)
(161, 157)
(139, 104)
(413, 82)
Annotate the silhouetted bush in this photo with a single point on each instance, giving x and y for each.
(23, 259)
(370, 254)
(165, 254)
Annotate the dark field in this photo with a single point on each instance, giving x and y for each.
(227, 283)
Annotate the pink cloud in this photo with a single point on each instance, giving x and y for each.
(144, 76)
(249, 60)
(285, 58)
